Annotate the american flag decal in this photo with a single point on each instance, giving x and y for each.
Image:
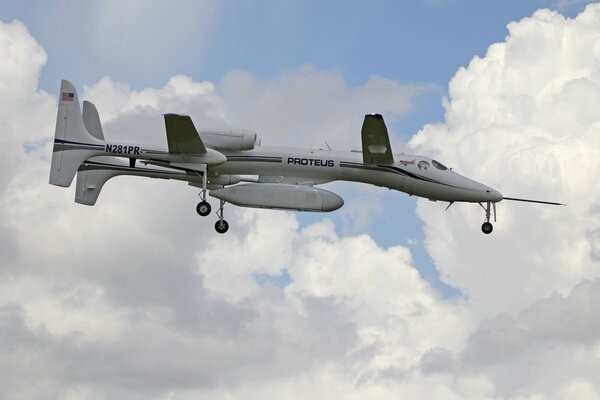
(67, 96)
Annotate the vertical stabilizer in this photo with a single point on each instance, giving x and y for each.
(91, 120)
(72, 142)
(375, 141)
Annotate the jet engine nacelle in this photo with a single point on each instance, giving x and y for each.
(279, 196)
(230, 140)
(224, 180)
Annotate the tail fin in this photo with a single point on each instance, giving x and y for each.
(72, 142)
(91, 120)
(90, 182)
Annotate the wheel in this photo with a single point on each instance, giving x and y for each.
(221, 226)
(487, 228)
(203, 208)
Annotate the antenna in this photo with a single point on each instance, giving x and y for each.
(534, 201)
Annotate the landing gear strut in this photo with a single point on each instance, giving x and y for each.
(221, 226)
(203, 208)
(487, 226)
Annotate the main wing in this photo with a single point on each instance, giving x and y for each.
(92, 175)
(375, 141)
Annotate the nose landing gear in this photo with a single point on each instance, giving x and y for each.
(487, 226)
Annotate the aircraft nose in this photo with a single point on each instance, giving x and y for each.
(494, 195)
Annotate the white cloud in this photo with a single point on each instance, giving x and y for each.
(547, 349)
(313, 106)
(139, 298)
(520, 120)
(303, 107)
(23, 59)
(132, 300)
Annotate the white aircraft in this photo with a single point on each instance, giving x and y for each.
(234, 168)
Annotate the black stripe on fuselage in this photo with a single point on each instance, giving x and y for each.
(256, 159)
(69, 145)
(93, 165)
(64, 145)
(395, 170)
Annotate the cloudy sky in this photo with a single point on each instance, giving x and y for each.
(389, 297)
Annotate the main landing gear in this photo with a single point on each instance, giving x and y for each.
(221, 225)
(203, 208)
(487, 226)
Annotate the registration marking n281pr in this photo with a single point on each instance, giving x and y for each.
(121, 149)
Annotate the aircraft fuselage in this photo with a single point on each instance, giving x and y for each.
(415, 175)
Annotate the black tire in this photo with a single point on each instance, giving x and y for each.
(487, 228)
(203, 208)
(221, 226)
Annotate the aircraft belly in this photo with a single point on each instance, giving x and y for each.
(441, 192)
(374, 177)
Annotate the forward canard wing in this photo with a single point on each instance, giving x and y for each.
(182, 136)
(375, 141)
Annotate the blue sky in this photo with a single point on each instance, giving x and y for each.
(423, 42)
(408, 41)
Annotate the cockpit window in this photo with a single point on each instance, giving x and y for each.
(439, 165)
(423, 165)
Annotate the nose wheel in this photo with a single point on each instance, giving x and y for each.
(487, 226)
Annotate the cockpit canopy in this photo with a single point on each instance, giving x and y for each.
(424, 165)
(439, 165)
